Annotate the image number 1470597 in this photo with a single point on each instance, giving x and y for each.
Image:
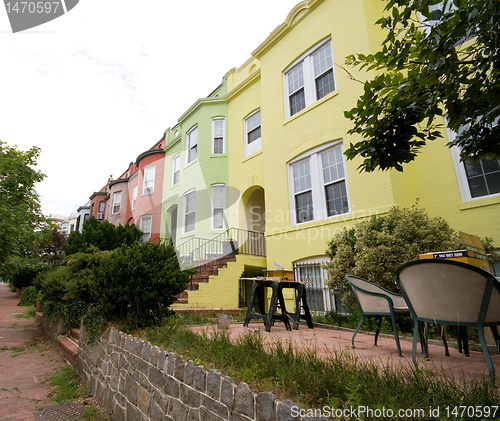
(39, 7)
(28, 14)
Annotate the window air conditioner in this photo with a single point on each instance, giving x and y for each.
(99, 216)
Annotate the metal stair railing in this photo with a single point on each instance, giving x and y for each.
(198, 252)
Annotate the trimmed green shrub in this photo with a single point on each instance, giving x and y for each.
(137, 284)
(65, 291)
(28, 297)
(103, 235)
(377, 246)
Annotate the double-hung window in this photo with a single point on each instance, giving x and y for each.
(309, 78)
(189, 211)
(302, 186)
(149, 180)
(192, 145)
(318, 185)
(475, 178)
(117, 200)
(332, 163)
(253, 137)
(134, 197)
(145, 228)
(176, 164)
(218, 135)
(218, 196)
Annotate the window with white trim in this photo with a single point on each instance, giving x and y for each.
(218, 135)
(176, 169)
(313, 275)
(117, 200)
(253, 136)
(134, 197)
(476, 179)
(145, 227)
(192, 145)
(149, 180)
(309, 78)
(189, 207)
(318, 185)
(218, 201)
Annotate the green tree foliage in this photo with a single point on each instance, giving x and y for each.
(434, 61)
(25, 270)
(377, 246)
(137, 284)
(103, 235)
(20, 212)
(52, 246)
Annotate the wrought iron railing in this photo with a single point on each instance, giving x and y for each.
(198, 252)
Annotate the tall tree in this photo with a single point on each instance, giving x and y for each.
(20, 211)
(439, 58)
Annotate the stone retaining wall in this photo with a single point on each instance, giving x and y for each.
(135, 381)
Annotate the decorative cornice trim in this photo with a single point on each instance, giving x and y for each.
(148, 153)
(199, 103)
(250, 80)
(296, 15)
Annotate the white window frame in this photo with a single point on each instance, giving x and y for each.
(319, 202)
(176, 169)
(134, 197)
(255, 145)
(148, 186)
(117, 202)
(215, 135)
(185, 213)
(329, 301)
(463, 182)
(219, 206)
(146, 235)
(308, 75)
(192, 144)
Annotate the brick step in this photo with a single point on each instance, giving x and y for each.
(75, 333)
(69, 348)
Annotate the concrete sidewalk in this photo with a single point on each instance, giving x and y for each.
(329, 341)
(26, 356)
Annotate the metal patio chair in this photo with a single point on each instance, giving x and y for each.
(450, 293)
(374, 300)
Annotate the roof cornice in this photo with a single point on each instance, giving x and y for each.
(199, 103)
(147, 153)
(250, 80)
(297, 14)
(98, 193)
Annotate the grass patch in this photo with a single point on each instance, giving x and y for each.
(28, 314)
(67, 387)
(338, 380)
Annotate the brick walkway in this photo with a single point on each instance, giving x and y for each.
(23, 371)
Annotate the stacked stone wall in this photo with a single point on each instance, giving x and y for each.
(135, 381)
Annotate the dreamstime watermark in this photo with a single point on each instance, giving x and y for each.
(28, 14)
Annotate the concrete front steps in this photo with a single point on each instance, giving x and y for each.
(69, 345)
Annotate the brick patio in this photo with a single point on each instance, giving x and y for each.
(329, 341)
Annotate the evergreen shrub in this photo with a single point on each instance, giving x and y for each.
(137, 284)
(103, 235)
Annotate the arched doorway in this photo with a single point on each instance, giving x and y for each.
(255, 211)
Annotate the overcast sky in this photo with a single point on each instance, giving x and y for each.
(99, 85)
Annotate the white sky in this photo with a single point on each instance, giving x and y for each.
(99, 85)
